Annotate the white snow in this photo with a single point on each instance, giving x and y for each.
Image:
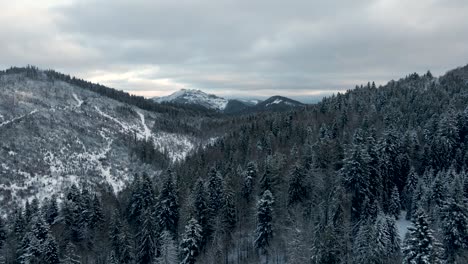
(402, 225)
(147, 131)
(177, 146)
(17, 118)
(79, 102)
(193, 96)
(277, 101)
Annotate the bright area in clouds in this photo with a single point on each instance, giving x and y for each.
(297, 48)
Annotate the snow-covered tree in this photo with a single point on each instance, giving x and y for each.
(394, 207)
(112, 259)
(421, 246)
(50, 251)
(455, 228)
(264, 231)
(201, 211)
(364, 245)
(70, 255)
(215, 191)
(297, 191)
(355, 173)
(168, 206)
(191, 242)
(147, 238)
(168, 250)
(250, 176)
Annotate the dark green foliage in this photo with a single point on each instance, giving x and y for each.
(147, 238)
(455, 228)
(191, 242)
(297, 191)
(421, 246)
(264, 231)
(168, 206)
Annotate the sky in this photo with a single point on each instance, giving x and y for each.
(304, 49)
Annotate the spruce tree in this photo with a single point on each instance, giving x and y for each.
(168, 251)
(421, 246)
(356, 176)
(248, 184)
(50, 251)
(191, 242)
(3, 232)
(70, 256)
(168, 206)
(264, 230)
(215, 192)
(297, 191)
(147, 238)
(112, 259)
(394, 206)
(201, 211)
(455, 228)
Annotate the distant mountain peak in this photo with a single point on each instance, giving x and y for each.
(194, 96)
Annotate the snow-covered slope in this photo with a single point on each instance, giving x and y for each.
(195, 97)
(54, 134)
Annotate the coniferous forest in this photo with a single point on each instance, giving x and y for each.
(371, 175)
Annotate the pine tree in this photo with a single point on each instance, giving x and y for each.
(264, 231)
(70, 255)
(250, 176)
(215, 192)
(229, 213)
(120, 240)
(297, 191)
(112, 259)
(394, 207)
(147, 238)
(51, 210)
(191, 243)
(97, 216)
(168, 206)
(3, 233)
(50, 251)
(201, 211)
(421, 246)
(455, 228)
(365, 249)
(266, 181)
(355, 173)
(168, 249)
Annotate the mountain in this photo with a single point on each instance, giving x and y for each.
(278, 103)
(232, 106)
(56, 131)
(345, 172)
(194, 97)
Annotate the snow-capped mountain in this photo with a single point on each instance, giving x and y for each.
(195, 97)
(54, 133)
(232, 106)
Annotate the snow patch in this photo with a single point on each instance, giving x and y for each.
(79, 102)
(277, 101)
(17, 118)
(147, 131)
(402, 225)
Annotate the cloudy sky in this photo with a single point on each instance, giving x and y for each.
(235, 48)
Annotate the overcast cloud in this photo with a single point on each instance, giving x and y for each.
(252, 48)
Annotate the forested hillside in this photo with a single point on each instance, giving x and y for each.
(333, 182)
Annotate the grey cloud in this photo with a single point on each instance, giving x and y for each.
(234, 47)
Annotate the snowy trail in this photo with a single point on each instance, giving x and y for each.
(147, 131)
(17, 118)
(125, 127)
(79, 102)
